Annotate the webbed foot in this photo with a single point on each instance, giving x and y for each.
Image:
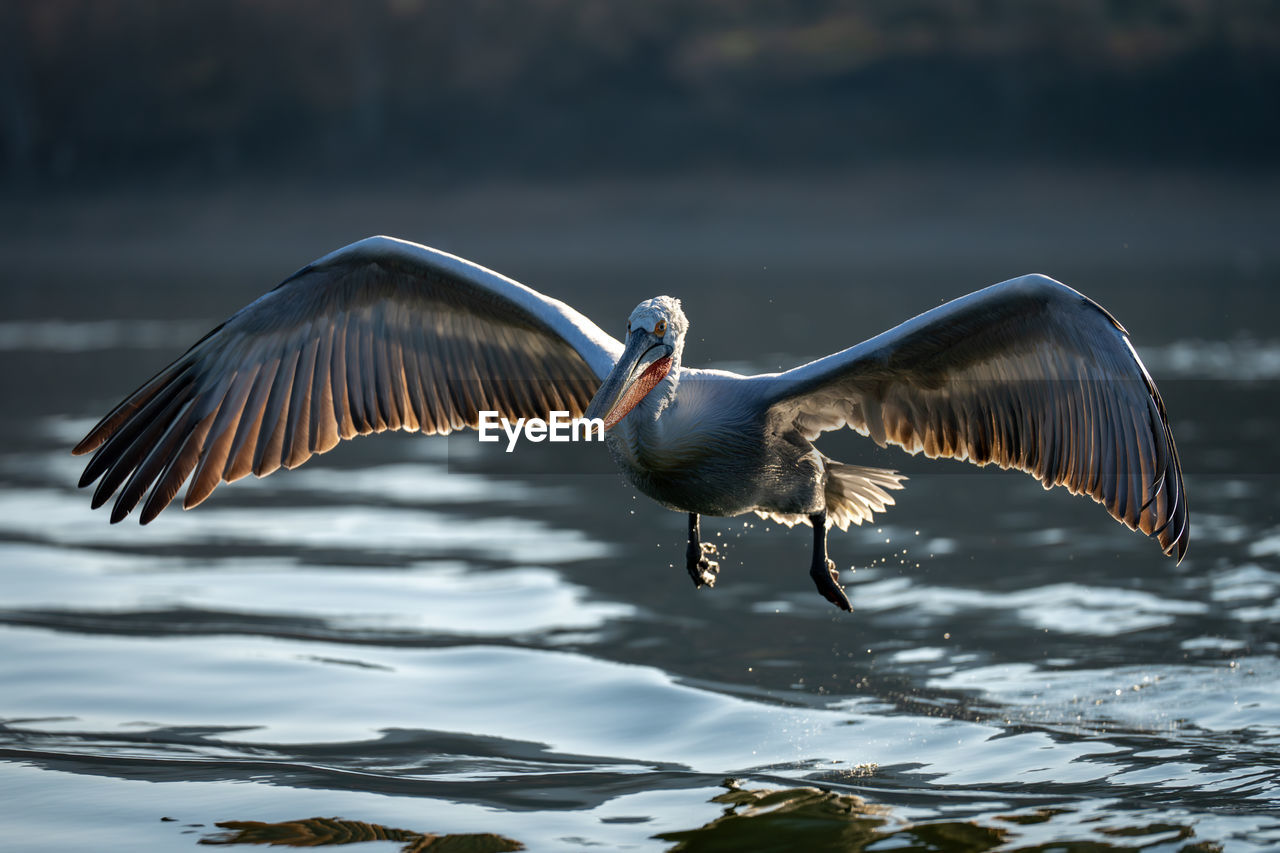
(827, 579)
(701, 568)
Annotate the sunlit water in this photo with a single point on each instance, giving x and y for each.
(421, 638)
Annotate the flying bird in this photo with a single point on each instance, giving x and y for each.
(385, 334)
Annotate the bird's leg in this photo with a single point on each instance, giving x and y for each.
(823, 571)
(701, 568)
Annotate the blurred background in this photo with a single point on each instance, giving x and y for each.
(126, 90)
(425, 638)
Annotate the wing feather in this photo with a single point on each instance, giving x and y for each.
(212, 454)
(297, 431)
(240, 459)
(180, 466)
(435, 415)
(158, 442)
(340, 366)
(270, 445)
(380, 335)
(362, 383)
(323, 428)
(1027, 374)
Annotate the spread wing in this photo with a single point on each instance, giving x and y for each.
(1027, 374)
(383, 334)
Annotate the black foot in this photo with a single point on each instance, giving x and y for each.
(702, 569)
(827, 579)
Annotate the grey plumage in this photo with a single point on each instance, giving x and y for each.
(385, 334)
(1028, 374)
(380, 335)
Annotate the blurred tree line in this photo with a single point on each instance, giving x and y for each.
(106, 90)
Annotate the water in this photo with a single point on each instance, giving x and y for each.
(420, 637)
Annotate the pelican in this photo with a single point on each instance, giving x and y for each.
(385, 334)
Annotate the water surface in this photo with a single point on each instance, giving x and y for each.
(423, 638)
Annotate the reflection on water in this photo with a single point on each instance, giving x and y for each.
(324, 832)
(781, 820)
(766, 820)
(788, 819)
(407, 634)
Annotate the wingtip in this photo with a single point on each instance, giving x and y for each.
(1179, 544)
(150, 511)
(92, 440)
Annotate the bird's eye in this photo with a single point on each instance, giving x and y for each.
(661, 328)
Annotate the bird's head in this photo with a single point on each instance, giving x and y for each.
(654, 343)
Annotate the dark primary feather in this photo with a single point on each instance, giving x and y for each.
(1027, 374)
(378, 336)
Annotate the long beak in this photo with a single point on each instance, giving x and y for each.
(643, 365)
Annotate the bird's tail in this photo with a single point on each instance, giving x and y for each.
(854, 493)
